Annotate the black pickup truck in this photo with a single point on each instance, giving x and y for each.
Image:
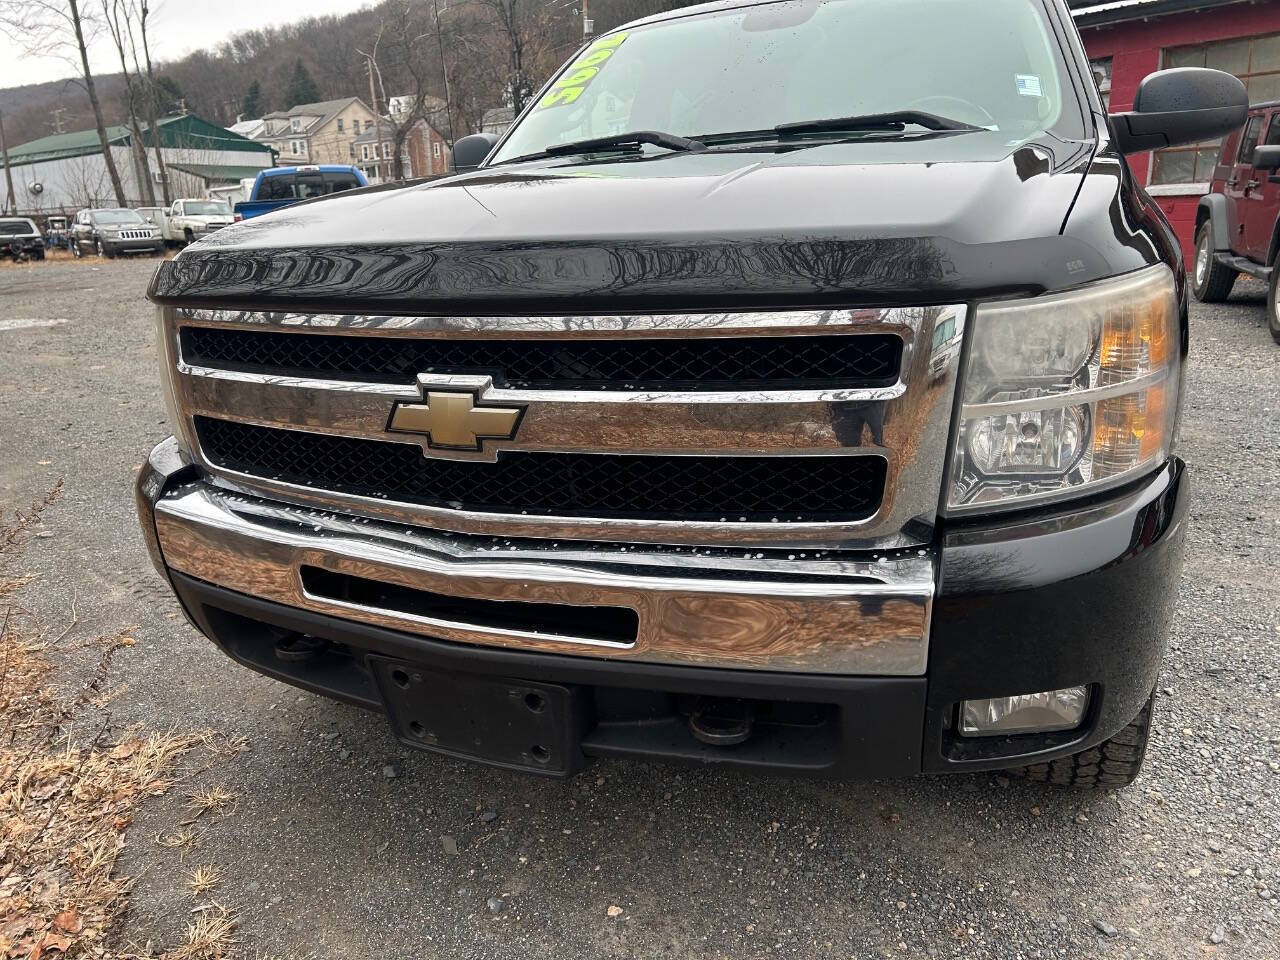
(784, 390)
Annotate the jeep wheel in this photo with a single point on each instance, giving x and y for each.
(1112, 764)
(77, 250)
(1273, 303)
(1211, 280)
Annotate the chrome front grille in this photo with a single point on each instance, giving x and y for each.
(698, 364)
(789, 429)
(135, 235)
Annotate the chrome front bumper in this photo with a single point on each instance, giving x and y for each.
(747, 610)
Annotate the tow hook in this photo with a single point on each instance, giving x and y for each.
(299, 648)
(722, 723)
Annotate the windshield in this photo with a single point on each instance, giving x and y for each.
(208, 208)
(117, 216)
(990, 63)
(302, 186)
(11, 228)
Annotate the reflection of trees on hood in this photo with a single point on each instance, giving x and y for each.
(503, 270)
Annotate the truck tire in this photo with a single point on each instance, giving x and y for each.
(1273, 302)
(1112, 764)
(1211, 281)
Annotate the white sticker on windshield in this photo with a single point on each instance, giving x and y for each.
(1028, 85)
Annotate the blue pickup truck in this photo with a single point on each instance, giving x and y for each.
(280, 186)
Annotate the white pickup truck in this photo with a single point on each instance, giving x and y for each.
(186, 221)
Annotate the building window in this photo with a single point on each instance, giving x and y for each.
(1256, 61)
(435, 148)
(297, 147)
(364, 151)
(1102, 77)
(341, 123)
(355, 126)
(295, 124)
(386, 148)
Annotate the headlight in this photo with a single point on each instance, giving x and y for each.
(1067, 393)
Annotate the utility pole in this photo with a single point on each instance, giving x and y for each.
(588, 25)
(11, 205)
(444, 68)
(377, 120)
(57, 118)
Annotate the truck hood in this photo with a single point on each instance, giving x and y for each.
(688, 229)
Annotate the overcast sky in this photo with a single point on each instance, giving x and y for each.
(180, 26)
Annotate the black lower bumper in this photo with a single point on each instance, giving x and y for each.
(139, 246)
(1039, 602)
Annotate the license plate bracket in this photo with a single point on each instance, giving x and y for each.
(503, 722)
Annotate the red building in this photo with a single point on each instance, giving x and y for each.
(1128, 39)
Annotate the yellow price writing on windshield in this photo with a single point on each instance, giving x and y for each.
(581, 72)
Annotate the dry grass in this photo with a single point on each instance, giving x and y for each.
(209, 936)
(202, 880)
(64, 256)
(69, 786)
(184, 841)
(210, 800)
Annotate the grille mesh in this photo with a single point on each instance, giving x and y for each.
(703, 363)
(733, 489)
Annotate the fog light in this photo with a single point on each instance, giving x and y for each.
(1029, 713)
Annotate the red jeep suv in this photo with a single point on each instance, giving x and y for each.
(1238, 222)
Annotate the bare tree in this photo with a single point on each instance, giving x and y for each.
(153, 97)
(59, 28)
(10, 204)
(119, 16)
(521, 24)
(404, 45)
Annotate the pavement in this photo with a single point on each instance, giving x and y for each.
(343, 844)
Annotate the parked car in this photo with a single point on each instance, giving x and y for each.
(282, 186)
(1238, 222)
(187, 221)
(20, 239)
(630, 442)
(57, 233)
(114, 231)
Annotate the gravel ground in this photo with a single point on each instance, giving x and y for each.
(344, 845)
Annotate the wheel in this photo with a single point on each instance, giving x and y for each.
(39, 254)
(1211, 280)
(1112, 764)
(77, 250)
(103, 250)
(188, 237)
(1273, 303)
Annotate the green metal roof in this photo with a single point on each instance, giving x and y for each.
(217, 173)
(189, 132)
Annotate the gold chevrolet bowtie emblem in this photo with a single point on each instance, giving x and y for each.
(453, 421)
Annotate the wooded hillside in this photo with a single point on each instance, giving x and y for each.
(497, 52)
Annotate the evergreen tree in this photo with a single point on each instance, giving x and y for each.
(302, 89)
(168, 96)
(251, 108)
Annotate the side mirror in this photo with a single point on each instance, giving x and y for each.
(1183, 105)
(1267, 157)
(469, 152)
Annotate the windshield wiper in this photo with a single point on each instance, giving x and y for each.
(633, 138)
(896, 121)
